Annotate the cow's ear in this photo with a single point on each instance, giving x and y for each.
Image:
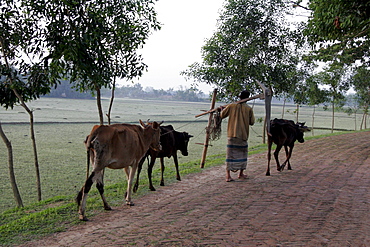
(159, 124)
(190, 136)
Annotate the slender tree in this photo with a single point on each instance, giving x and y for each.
(13, 182)
(315, 94)
(253, 42)
(94, 41)
(23, 75)
(335, 79)
(360, 81)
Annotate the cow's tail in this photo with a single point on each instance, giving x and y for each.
(88, 163)
(88, 141)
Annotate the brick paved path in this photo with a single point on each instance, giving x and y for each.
(323, 201)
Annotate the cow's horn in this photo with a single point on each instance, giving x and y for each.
(141, 122)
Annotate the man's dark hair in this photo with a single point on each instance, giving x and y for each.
(244, 94)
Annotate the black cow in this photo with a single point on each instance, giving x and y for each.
(171, 141)
(284, 133)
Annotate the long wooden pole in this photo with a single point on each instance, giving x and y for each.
(205, 148)
(258, 96)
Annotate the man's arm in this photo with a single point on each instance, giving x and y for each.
(251, 117)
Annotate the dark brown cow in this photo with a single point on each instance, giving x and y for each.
(284, 133)
(116, 146)
(171, 141)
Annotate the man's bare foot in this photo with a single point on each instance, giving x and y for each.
(243, 176)
(229, 180)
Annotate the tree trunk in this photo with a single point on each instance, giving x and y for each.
(17, 196)
(111, 101)
(366, 115)
(283, 111)
(264, 131)
(313, 119)
(33, 138)
(332, 118)
(297, 113)
(98, 102)
(362, 120)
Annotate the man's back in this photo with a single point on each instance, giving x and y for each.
(240, 117)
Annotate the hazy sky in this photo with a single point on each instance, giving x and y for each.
(185, 26)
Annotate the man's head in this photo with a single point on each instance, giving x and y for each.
(244, 94)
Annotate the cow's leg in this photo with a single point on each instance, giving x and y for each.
(150, 171)
(177, 167)
(127, 171)
(286, 156)
(276, 155)
(140, 166)
(129, 185)
(100, 187)
(289, 156)
(82, 196)
(268, 156)
(162, 171)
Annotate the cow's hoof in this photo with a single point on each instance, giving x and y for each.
(152, 188)
(83, 218)
(130, 204)
(107, 208)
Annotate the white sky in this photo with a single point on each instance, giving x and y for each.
(185, 26)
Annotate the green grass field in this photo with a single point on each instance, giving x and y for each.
(62, 125)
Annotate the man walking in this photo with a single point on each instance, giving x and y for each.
(240, 118)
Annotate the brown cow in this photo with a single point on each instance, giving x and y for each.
(284, 133)
(116, 146)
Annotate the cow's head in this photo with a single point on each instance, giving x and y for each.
(183, 143)
(156, 133)
(302, 128)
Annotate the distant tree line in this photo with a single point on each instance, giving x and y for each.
(137, 91)
(67, 90)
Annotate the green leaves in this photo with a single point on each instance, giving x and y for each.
(343, 26)
(99, 39)
(90, 41)
(252, 43)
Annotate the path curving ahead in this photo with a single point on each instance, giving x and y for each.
(323, 201)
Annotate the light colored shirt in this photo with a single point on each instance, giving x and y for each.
(240, 117)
